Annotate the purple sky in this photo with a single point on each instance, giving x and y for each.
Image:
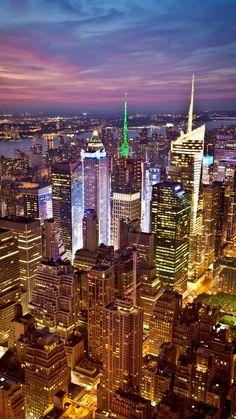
(77, 55)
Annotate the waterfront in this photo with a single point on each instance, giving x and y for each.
(8, 148)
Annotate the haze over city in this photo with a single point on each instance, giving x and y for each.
(72, 55)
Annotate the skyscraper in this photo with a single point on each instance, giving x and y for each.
(170, 216)
(53, 247)
(27, 231)
(186, 165)
(126, 187)
(125, 145)
(46, 372)
(54, 298)
(67, 199)
(100, 292)
(97, 184)
(122, 350)
(9, 281)
(38, 202)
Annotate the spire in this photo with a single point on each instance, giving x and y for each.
(125, 145)
(190, 113)
(95, 142)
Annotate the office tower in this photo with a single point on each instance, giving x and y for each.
(150, 290)
(46, 372)
(54, 297)
(207, 169)
(27, 231)
(90, 230)
(97, 184)
(10, 293)
(122, 350)
(186, 164)
(165, 314)
(210, 215)
(152, 175)
(170, 213)
(38, 203)
(100, 292)
(53, 247)
(67, 200)
(126, 206)
(124, 270)
(144, 244)
(126, 195)
(11, 399)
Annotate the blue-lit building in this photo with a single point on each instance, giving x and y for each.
(68, 209)
(151, 177)
(38, 202)
(97, 184)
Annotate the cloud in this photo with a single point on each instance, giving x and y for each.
(68, 52)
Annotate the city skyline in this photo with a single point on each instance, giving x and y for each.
(72, 56)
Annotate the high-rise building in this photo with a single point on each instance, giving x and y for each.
(122, 350)
(97, 184)
(90, 230)
(165, 314)
(27, 231)
(127, 207)
(170, 216)
(53, 247)
(54, 297)
(38, 202)
(126, 187)
(67, 200)
(46, 372)
(100, 292)
(186, 165)
(11, 399)
(210, 216)
(10, 293)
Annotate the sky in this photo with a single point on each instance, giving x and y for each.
(81, 55)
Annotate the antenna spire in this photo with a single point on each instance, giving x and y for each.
(190, 113)
(125, 145)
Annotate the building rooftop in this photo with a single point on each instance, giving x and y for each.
(18, 219)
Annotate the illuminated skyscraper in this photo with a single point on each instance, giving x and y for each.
(100, 292)
(54, 298)
(127, 179)
(38, 203)
(170, 216)
(125, 145)
(9, 281)
(46, 372)
(97, 184)
(186, 165)
(122, 350)
(27, 231)
(67, 199)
